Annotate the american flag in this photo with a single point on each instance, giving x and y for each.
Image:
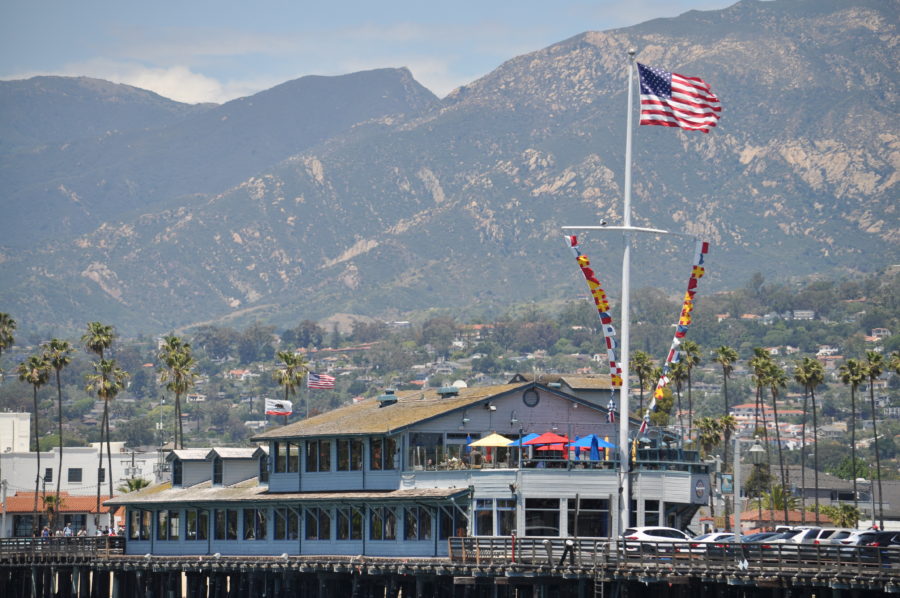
(314, 380)
(673, 100)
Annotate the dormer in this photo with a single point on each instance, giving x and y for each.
(229, 466)
(189, 466)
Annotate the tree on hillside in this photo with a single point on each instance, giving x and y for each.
(58, 354)
(35, 371)
(810, 374)
(874, 367)
(853, 373)
(7, 327)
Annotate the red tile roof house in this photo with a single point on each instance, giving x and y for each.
(78, 511)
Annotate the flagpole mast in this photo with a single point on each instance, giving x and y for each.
(624, 467)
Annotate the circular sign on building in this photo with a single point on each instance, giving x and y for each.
(700, 488)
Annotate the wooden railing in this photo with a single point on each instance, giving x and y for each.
(83, 547)
(601, 552)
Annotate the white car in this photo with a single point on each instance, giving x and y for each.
(655, 539)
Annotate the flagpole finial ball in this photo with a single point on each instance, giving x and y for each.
(632, 52)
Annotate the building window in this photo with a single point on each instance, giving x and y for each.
(417, 523)
(287, 457)
(146, 523)
(381, 453)
(484, 517)
(593, 517)
(177, 472)
(651, 512)
(318, 524)
(349, 455)
(541, 516)
(506, 516)
(254, 524)
(217, 470)
(48, 475)
(451, 523)
(349, 523)
(383, 523)
(168, 525)
(287, 524)
(196, 524)
(318, 455)
(74, 475)
(263, 470)
(226, 523)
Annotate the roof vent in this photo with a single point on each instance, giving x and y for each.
(388, 398)
(554, 385)
(448, 391)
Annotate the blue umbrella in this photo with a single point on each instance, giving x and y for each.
(595, 448)
(524, 439)
(468, 442)
(586, 442)
(577, 448)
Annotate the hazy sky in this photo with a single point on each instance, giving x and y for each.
(217, 50)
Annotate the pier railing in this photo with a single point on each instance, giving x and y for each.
(722, 557)
(80, 547)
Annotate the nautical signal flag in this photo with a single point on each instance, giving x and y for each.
(321, 381)
(673, 100)
(278, 407)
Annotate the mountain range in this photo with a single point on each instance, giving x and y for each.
(365, 193)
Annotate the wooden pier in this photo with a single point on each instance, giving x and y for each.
(478, 567)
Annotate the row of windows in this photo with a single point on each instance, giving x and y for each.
(349, 452)
(74, 475)
(217, 471)
(314, 523)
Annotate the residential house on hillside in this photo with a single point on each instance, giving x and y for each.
(399, 474)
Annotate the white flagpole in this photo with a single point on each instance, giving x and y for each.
(624, 448)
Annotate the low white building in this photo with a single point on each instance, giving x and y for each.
(15, 432)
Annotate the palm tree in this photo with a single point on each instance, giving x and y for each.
(642, 366)
(725, 356)
(760, 363)
(778, 498)
(776, 378)
(811, 374)
(678, 374)
(728, 424)
(180, 374)
(690, 357)
(58, 354)
(874, 368)
(133, 485)
(106, 382)
(853, 373)
(290, 373)
(35, 371)
(801, 377)
(709, 433)
(97, 340)
(7, 326)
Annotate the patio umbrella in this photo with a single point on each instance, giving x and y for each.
(468, 442)
(586, 441)
(548, 438)
(523, 439)
(551, 447)
(492, 440)
(595, 448)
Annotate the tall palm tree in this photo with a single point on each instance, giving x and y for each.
(874, 368)
(777, 379)
(179, 372)
(811, 375)
(678, 374)
(690, 357)
(642, 367)
(98, 338)
(58, 354)
(7, 327)
(290, 373)
(726, 357)
(35, 371)
(853, 373)
(106, 382)
(801, 377)
(709, 434)
(760, 364)
(728, 424)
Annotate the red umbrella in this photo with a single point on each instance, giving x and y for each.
(552, 447)
(549, 438)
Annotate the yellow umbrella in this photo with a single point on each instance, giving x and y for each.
(492, 440)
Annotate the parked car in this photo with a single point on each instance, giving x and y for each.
(702, 543)
(883, 547)
(654, 539)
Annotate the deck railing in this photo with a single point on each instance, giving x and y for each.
(601, 552)
(82, 547)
